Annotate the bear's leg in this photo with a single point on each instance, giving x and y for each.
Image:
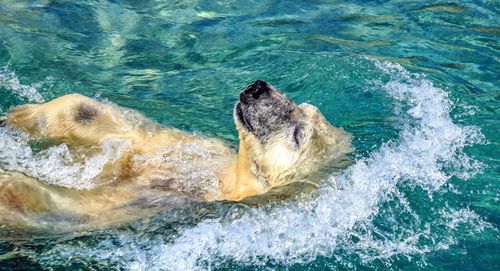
(20, 194)
(72, 118)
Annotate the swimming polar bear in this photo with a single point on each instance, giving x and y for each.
(279, 143)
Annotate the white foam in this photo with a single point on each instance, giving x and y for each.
(428, 153)
(10, 81)
(56, 165)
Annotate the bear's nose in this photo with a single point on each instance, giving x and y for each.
(256, 89)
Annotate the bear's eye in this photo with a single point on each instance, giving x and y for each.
(298, 135)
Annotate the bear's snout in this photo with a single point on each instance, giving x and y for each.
(264, 110)
(254, 91)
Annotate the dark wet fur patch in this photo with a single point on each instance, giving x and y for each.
(86, 113)
(163, 184)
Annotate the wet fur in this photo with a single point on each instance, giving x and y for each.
(280, 143)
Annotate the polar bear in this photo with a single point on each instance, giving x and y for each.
(279, 143)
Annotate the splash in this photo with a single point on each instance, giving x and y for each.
(10, 81)
(427, 154)
(56, 165)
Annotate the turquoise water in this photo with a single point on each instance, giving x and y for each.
(415, 82)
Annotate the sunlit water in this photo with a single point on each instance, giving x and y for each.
(416, 83)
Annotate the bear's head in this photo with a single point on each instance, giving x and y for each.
(281, 142)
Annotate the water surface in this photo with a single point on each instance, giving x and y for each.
(415, 82)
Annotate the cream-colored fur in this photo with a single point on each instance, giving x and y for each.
(159, 160)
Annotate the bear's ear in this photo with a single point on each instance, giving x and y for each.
(310, 110)
(314, 115)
